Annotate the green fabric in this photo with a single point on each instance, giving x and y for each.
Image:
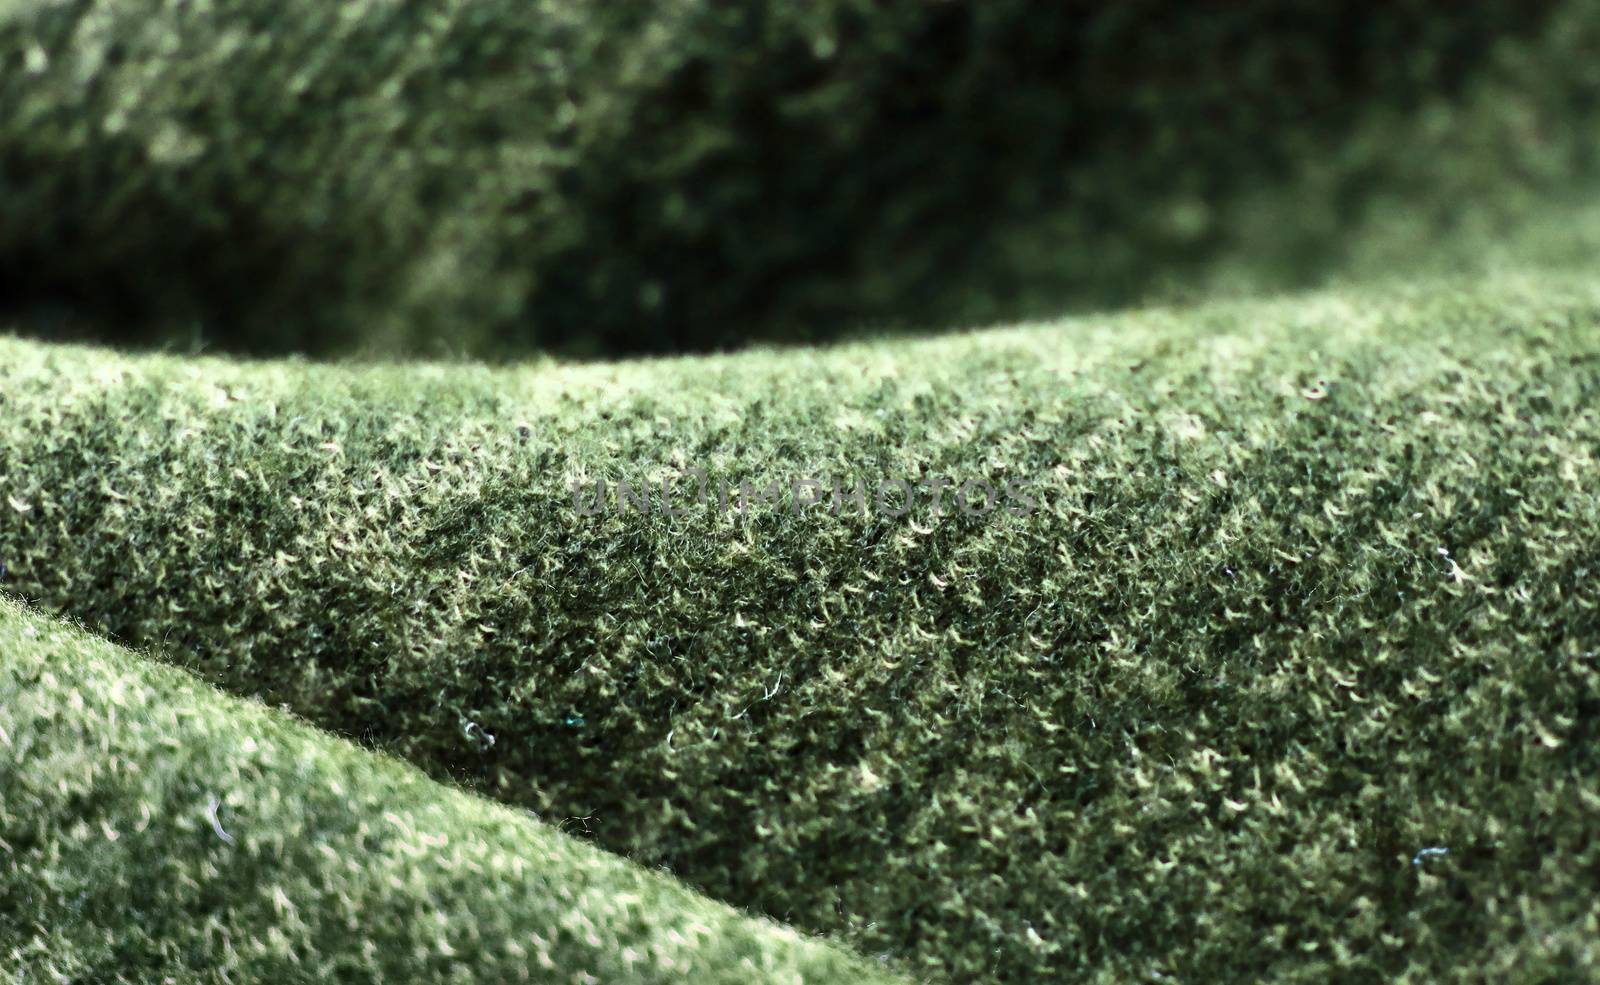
(153, 830)
(493, 177)
(1310, 591)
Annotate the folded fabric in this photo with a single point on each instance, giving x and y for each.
(154, 830)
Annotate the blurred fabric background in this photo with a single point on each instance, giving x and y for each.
(514, 176)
